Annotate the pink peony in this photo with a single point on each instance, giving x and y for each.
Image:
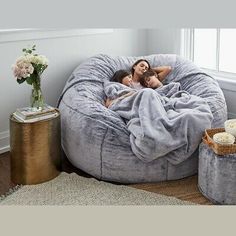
(22, 69)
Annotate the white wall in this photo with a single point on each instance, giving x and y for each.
(163, 41)
(64, 54)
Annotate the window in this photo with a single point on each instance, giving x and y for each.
(204, 46)
(211, 49)
(227, 50)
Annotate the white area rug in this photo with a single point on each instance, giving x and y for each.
(72, 189)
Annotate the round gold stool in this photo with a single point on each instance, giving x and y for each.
(35, 150)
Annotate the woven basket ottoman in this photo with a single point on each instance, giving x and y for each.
(217, 176)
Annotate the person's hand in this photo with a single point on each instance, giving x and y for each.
(108, 102)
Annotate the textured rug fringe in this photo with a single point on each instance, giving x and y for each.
(10, 191)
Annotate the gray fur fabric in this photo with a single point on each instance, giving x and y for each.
(217, 176)
(97, 140)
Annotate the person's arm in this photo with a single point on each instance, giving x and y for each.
(108, 102)
(162, 71)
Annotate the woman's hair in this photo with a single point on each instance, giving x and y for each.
(119, 75)
(136, 63)
(146, 75)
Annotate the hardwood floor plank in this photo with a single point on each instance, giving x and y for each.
(5, 177)
(184, 189)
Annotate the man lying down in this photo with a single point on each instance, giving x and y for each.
(162, 120)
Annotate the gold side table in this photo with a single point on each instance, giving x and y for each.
(35, 150)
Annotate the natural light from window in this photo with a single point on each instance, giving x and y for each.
(215, 49)
(205, 48)
(227, 55)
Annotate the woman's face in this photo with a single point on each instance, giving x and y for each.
(140, 68)
(127, 80)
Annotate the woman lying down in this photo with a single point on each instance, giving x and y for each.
(161, 118)
(149, 79)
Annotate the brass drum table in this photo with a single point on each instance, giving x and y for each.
(35, 150)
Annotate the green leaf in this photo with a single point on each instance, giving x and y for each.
(39, 68)
(20, 81)
(30, 79)
(34, 78)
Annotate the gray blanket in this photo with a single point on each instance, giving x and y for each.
(161, 121)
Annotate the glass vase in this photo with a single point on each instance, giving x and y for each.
(36, 99)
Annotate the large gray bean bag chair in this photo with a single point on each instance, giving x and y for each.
(96, 139)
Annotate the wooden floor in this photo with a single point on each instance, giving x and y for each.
(184, 189)
(5, 179)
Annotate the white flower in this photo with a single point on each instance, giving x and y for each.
(28, 64)
(39, 60)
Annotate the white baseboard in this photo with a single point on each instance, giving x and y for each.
(4, 142)
(4, 149)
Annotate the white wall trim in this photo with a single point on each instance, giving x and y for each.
(187, 43)
(226, 84)
(4, 142)
(13, 35)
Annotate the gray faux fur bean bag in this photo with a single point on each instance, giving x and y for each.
(101, 141)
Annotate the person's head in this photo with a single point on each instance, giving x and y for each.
(123, 77)
(150, 79)
(140, 66)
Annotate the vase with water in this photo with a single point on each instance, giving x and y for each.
(36, 98)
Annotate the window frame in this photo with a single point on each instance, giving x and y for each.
(187, 51)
